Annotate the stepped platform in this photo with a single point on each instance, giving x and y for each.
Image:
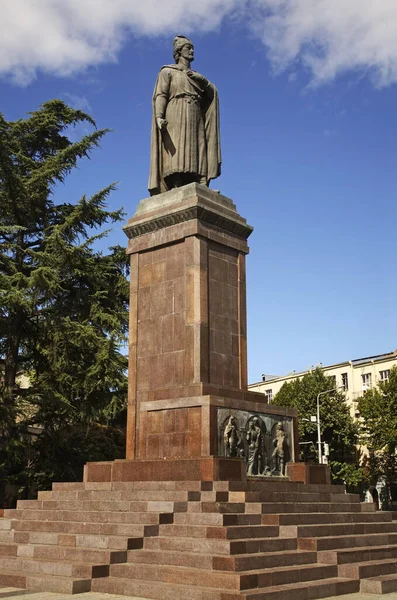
(262, 538)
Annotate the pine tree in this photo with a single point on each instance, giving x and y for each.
(63, 303)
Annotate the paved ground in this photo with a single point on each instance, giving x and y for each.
(15, 594)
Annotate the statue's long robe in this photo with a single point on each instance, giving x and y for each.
(191, 142)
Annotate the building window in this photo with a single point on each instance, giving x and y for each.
(333, 380)
(366, 381)
(269, 394)
(345, 382)
(384, 375)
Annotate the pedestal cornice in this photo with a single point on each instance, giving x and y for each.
(193, 201)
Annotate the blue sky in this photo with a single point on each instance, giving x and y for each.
(309, 141)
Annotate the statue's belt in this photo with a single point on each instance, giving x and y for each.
(190, 97)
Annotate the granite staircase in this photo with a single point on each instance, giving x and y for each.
(254, 540)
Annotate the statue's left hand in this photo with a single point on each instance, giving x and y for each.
(197, 77)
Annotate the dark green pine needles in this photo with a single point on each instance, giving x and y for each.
(63, 306)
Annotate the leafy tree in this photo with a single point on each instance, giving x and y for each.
(63, 303)
(378, 410)
(337, 426)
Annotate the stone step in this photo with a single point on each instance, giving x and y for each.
(321, 507)
(309, 590)
(155, 590)
(293, 574)
(66, 553)
(277, 485)
(306, 590)
(6, 537)
(72, 485)
(97, 516)
(204, 560)
(277, 508)
(218, 546)
(253, 562)
(334, 529)
(230, 532)
(348, 541)
(99, 505)
(36, 528)
(58, 584)
(384, 584)
(113, 542)
(222, 579)
(161, 557)
(357, 555)
(129, 485)
(367, 569)
(80, 527)
(54, 567)
(256, 484)
(5, 524)
(218, 519)
(44, 582)
(176, 574)
(275, 496)
(318, 518)
(217, 507)
(13, 579)
(8, 549)
(119, 495)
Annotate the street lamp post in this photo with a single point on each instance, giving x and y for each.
(320, 458)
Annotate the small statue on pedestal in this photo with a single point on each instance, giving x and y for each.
(231, 437)
(280, 450)
(256, 448)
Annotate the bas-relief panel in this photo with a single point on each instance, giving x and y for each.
(264, 441)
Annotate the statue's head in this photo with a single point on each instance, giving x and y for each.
(280, 426)
(183, 47)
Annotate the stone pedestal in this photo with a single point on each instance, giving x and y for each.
(187, 341)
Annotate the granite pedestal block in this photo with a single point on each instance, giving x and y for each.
(188, 338)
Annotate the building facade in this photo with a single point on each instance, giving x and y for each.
(354, 377)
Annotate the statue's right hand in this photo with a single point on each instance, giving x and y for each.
(161, 123)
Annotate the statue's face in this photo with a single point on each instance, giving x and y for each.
(188, 52)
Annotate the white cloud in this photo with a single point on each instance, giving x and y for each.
(329, 37)
(62, 37)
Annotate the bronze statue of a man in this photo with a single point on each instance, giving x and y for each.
(256, 448)
(280, 450)
(185, 145)
(231, 437)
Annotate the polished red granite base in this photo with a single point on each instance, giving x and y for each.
(211, 468)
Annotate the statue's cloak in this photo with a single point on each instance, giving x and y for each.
(210, 113)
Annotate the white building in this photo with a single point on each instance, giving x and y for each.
(353, 377)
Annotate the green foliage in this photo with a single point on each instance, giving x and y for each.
(378, 410)
(63, 304)
(63, 453)
(337, 426)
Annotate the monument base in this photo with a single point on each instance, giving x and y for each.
(124, 531)
(210, 468)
